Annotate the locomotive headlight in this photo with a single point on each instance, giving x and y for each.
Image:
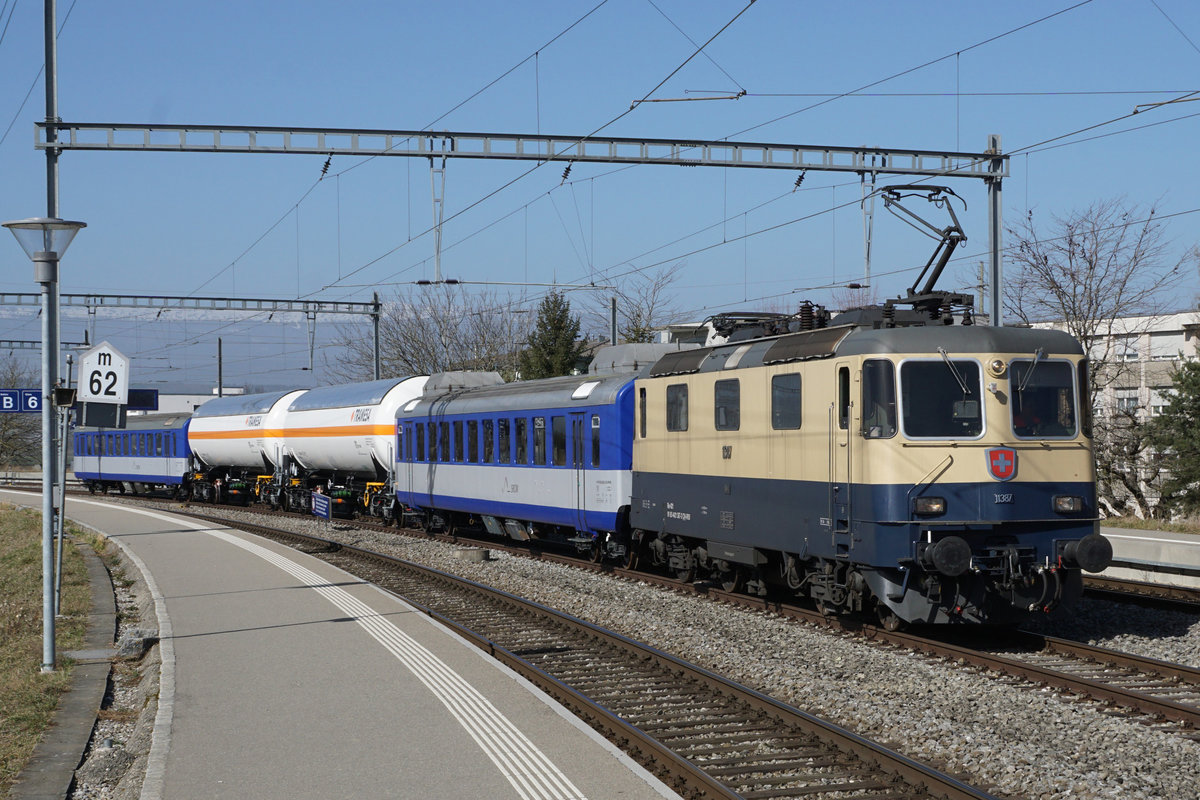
(929, 506)
(1068, 504)
(996, 367)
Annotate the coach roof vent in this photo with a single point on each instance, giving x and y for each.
(802, 346)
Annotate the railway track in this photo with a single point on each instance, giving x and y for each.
(1149, 690)
(705, 736)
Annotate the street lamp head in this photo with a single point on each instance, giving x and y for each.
(44, 234)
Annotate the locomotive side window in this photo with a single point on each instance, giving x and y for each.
(489, 433)
(1043, 398)
(879, 399)
(642, 413)
(843, 397)
(473, 441)
(785, 402)
(940, 398)
(522, 440)
(502, 430)
(727, 403)
(539, 441)
(595, 440)
(1085, 406)
(677, 407)
(558, 431)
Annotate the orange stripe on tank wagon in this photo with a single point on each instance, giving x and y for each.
(278, 433)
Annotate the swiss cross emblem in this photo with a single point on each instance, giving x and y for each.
(1002, 463)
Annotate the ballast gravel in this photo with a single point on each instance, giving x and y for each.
(1013, 739)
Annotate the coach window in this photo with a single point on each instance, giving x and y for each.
(521, 434)
(642, 412)
(843, 397)
(940, 398)
(473, 441)
(677, 407)
(539, 440)
(420, 441)
(444, 441)
(457, 428)
(727, 402)
(879, 399)
(595, 440)
(558, 431)
(785, 402)
(489, 433)
(502, 442)
(158, 444)
(432, 426)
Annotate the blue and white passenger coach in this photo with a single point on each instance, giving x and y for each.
(149, 453)
(543, 459)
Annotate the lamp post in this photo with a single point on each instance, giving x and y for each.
(44, 240)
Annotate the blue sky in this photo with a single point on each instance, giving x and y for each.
(264, 226)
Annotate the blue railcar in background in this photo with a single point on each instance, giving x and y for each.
(149, 453)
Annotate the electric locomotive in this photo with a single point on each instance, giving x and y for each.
(938, 474)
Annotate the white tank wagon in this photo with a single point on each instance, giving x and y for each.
(236, 444)
(341, 440)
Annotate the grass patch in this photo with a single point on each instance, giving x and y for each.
(27, 696)
(1182, 526)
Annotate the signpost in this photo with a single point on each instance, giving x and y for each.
(21, 401)
(104, 376)
(103, 387)
(320, 505)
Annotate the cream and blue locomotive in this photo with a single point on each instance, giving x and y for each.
(935, 473)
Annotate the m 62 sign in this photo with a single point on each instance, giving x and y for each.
(103, 376)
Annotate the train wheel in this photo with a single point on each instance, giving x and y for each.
(824, 608)
(596, 552)
(732, 580)
(685, 574)
(888, 618)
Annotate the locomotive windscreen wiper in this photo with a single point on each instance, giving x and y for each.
(957, 375)
(1037, 356)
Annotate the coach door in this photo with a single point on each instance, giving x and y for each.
(579, 451)
(841, 458)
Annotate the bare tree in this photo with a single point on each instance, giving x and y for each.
(646, 303)
(1101, 273)
(434, 329)
(20, 434)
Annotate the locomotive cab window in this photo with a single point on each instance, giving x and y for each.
(785, 402)
(1043, 399)
(727, 404)
(677, 407)
(879, 399)
(941, 398)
